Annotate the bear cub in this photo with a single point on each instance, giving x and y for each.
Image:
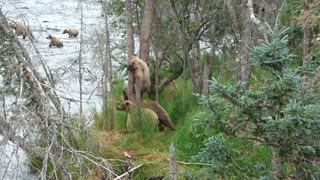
(55, 41)
(73, 32)
(141, 74)
(163, 116)
(130, 108)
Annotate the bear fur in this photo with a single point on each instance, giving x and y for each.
(55, 41)
(21, 28)
(130, 108)
(73, 32)
(141, 74)
(163, 116)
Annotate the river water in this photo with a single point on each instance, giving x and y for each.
(52, 17)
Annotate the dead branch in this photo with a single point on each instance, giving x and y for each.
(128, 172)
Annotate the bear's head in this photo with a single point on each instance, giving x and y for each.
(126, 106)
(49, 37)
(13, 25)
(132, 63)
(65, 31)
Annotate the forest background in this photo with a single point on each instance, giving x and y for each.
(239, 80)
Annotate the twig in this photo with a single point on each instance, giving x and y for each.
(201, 164)
(127, 173)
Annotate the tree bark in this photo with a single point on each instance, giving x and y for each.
(307, 35)
(195, 68)
(108, 106)
(80, 58)
(207, 72)
(130, 47)
(145, 31)
(242, 40)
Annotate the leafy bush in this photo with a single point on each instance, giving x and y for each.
(282, 114)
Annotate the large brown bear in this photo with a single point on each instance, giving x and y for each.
(141, 74)
(21, 29)
(163, 116)
(55, 41)
(131, 108)
(73, 32)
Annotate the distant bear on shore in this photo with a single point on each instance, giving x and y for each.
(21, 28)
(55, 41)
(130, 108)
(73, 32)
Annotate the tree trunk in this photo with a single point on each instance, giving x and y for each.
(157, 71)
(130, 47)
(242, 42)
(108, 107)
(207, 72)
(80, 58)
(195, 68)
(145, 31)
(145, 34)
(307, 35)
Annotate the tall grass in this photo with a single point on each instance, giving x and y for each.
(120, 117)
(174, 106)
(144, 124)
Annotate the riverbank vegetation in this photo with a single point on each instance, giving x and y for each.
(238, 80)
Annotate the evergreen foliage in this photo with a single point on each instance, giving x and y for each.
(282, 113)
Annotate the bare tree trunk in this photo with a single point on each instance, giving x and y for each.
(145, 31)
(157, 71)
(195, 68)
(307, 35)
(80, 56)
(130, 47)
(242, 43)
(108, 106)
(207, 72)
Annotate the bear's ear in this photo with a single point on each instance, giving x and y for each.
(127, 103)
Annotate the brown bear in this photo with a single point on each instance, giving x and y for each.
(73, 32)
(55, 41)
(141, 74)
(163, 116)
(130, 108)
(21, 29)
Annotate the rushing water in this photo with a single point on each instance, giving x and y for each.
(52, 17)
